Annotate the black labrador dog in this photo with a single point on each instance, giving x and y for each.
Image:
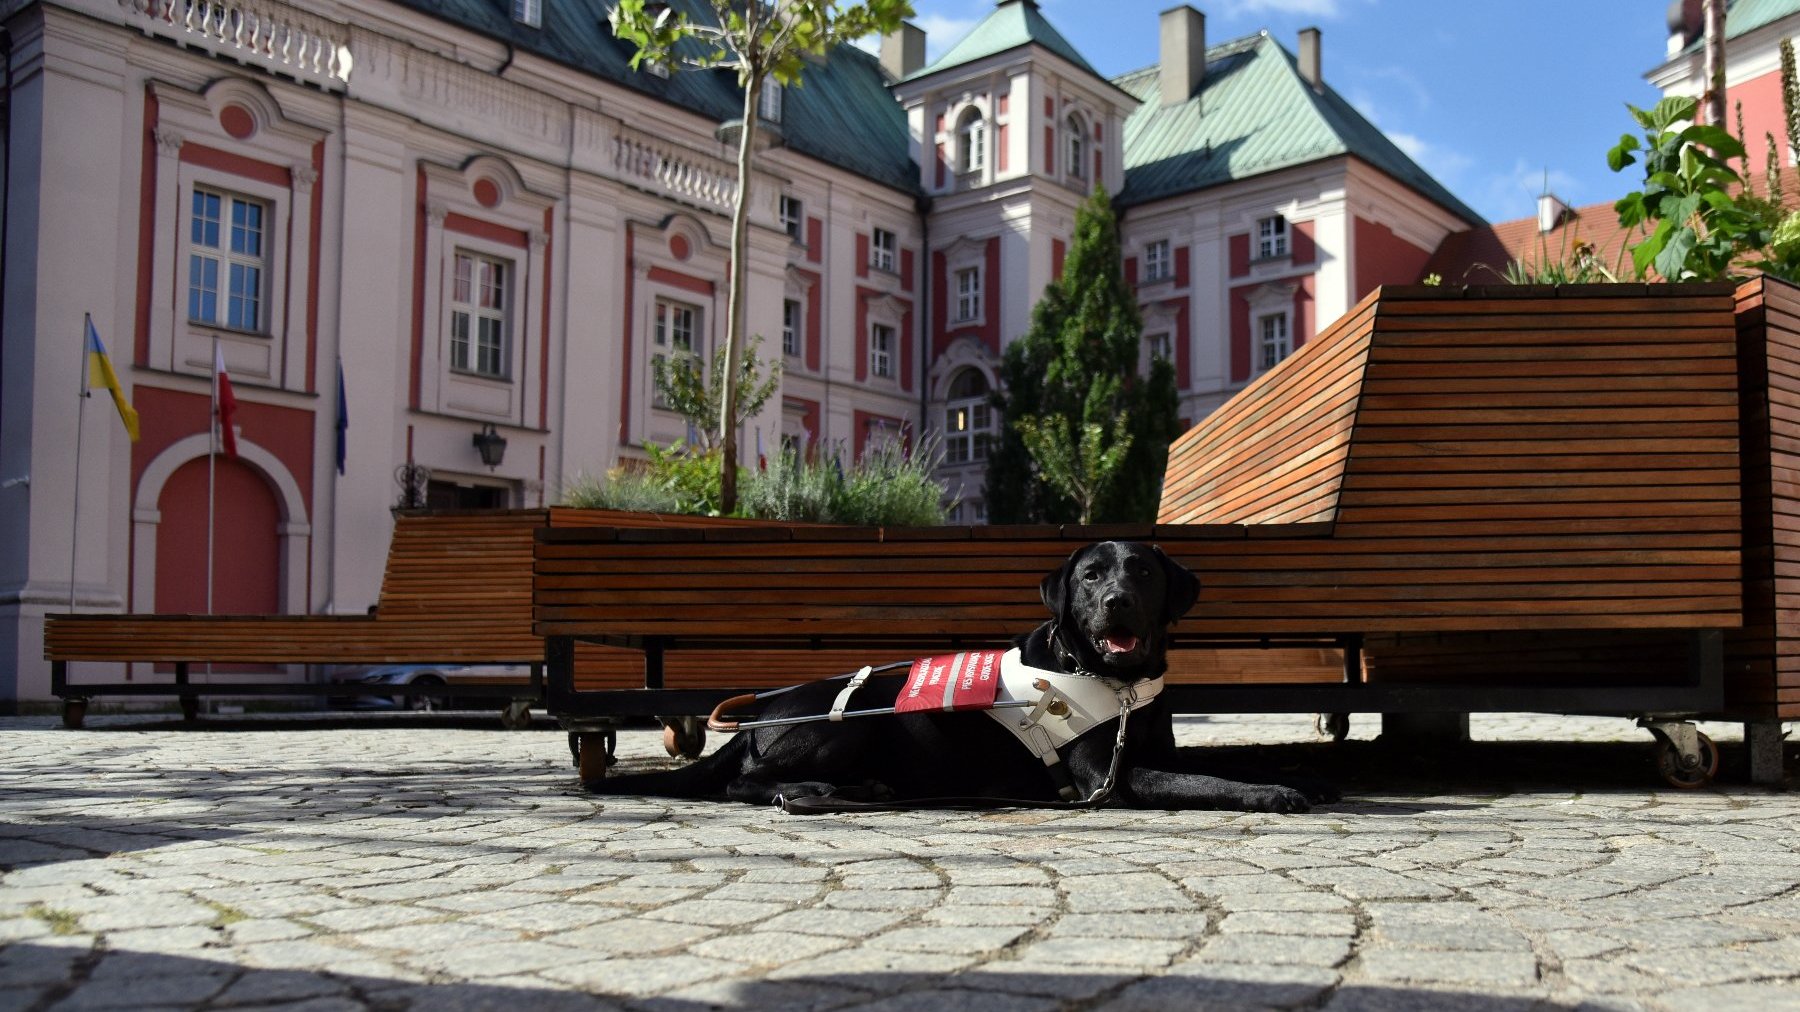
(1113, 603)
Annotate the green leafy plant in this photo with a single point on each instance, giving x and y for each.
(1694, 228)
(891, 487)
(691, 476)
(760, 42)
(792, 488)
(620, 488)
(699, 398)
(1081, 462)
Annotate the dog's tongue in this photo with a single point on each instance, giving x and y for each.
(1120, 643)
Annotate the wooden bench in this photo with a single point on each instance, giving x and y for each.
(456, 590)
(1510, 499)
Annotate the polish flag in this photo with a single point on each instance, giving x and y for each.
(225, 403)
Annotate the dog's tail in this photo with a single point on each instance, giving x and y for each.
(705, 778)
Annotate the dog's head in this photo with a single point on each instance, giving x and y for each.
(1114, 602)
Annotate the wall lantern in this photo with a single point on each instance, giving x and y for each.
(491, 445)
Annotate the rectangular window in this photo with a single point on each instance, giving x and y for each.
(791, 215)
(1161, 346)
(1156, 260)
(1271, 238)
(790, 327)
(673, 334)
(968, 294)
(1272, 342)
(768, 107)
(227, 260)
(528, 12)
(881, 250)
(966, 427)
(478, 315)
(881, 351)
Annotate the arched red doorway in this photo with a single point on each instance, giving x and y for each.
(246, 543)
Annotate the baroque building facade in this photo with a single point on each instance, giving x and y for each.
(410, 226)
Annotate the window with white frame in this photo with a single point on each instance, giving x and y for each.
(768, 106)
(881, 350)
(1156, 260)
(1076, 132)
(228, 260)
(478, 307)
(792, 213)
(528, 12)
(1160, 345)
(1271, 237)
(882, 247)
(674, 335)
(968, 418)
(1272, 340)
(968, 294)
(971, 141)
(790, 327)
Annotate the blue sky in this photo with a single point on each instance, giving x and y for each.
(1489, 97)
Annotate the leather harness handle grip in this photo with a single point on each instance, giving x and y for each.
(717, 722)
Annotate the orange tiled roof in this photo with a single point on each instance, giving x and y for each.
(1481, 256)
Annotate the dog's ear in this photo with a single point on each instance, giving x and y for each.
(1182, 587)
(1054, 588)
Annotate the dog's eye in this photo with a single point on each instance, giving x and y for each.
(1091, 575)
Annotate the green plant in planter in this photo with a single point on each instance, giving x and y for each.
(1694, 227)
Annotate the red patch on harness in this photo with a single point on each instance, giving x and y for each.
(965, 681)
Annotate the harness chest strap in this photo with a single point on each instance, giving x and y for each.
(843, 698)
(1067, 706)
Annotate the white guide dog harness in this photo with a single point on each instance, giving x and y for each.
(1043, 709)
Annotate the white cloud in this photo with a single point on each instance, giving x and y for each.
(1513, 192)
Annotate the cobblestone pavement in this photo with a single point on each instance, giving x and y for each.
(439, 867)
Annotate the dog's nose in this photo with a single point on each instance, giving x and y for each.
(1118, 601)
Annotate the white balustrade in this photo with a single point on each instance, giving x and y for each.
(280, 38)
(673, 171)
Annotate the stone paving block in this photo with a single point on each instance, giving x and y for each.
(1276, 949)
(1298, 901)
(836, 923)
(1360, 883)
(629, 977)
(633, 936)
(961, 999)
(1016, 895)
(952, 940)
(1223, 986)
(719, 913)
(986, 916)
(1288, 922)
(1495, 969)
(185, 990)
(445, 935)
(881, 899)
(1157, 924)
(872, 968)
(1133, 891)
(368, 918)
(494, 959)
(764, 948)
(1145, 953)
(547, 917)
(738, 993)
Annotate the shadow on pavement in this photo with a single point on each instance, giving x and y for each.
(40, 976)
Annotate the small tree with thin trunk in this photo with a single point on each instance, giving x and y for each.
(760, 40)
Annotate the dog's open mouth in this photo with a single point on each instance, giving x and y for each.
(1117, 643)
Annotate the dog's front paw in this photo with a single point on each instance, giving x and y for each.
(1271, 798)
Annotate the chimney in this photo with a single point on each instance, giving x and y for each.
(903, 50)
(1183, 53)
(1309, 59)
(1551, 212)
(1684, 25)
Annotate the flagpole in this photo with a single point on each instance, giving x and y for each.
(212, 446)
(87, 324)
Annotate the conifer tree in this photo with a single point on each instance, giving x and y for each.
(1084, 434)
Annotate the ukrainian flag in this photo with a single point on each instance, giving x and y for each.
(100, 374)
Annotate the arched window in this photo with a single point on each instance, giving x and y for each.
(971, 143)
(1076, 132)
(968, 418)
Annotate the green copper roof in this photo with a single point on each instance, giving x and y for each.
(1748, 15)
(1011, 24)
(842, 113)
(1253, 114)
